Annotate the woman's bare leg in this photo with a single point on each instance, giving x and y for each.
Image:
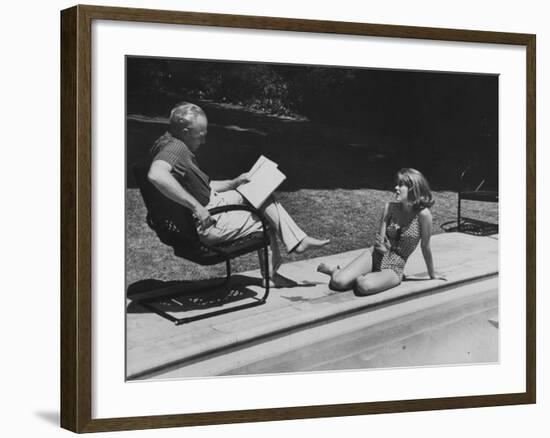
(344, 278)
(375, 282)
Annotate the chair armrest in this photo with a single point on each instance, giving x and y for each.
(235, 207)
(238, 207)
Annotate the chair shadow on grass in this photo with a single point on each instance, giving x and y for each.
(471, 226)
(182, 296)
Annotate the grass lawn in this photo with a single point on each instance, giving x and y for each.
(337, 183)
(349, 217)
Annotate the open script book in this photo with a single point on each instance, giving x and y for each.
(265, 177)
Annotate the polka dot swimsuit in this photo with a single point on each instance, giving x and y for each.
(403, 240)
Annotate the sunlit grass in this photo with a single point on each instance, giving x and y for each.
(348, 217)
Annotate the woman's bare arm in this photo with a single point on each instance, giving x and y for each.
(425, 219)
(381, 244)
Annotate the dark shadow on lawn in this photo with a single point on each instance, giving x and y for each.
(470, 226)
(179, 296)
(311, 154)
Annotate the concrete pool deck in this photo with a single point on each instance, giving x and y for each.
(155, 344)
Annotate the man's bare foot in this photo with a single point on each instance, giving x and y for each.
(327, 269)
(310, 243)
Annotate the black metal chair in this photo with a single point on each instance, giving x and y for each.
(175, 226)
(474, 186)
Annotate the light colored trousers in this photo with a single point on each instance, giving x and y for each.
(235, 224)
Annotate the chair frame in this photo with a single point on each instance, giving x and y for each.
(146, 299)
(473, 195)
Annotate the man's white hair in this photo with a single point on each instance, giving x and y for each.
(183, 115)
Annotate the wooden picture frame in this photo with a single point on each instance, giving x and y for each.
(76, 218)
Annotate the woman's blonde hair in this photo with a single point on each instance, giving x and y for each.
(420, 194)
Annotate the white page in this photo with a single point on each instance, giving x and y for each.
(261, 162)
(257, 164)
(265, 177)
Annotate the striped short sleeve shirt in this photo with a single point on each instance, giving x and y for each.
(184, 166)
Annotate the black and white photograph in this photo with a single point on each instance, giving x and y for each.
(242, 219)
(286, 218)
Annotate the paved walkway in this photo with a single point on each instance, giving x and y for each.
(154, 343)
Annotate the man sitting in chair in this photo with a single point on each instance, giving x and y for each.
(175, 173)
